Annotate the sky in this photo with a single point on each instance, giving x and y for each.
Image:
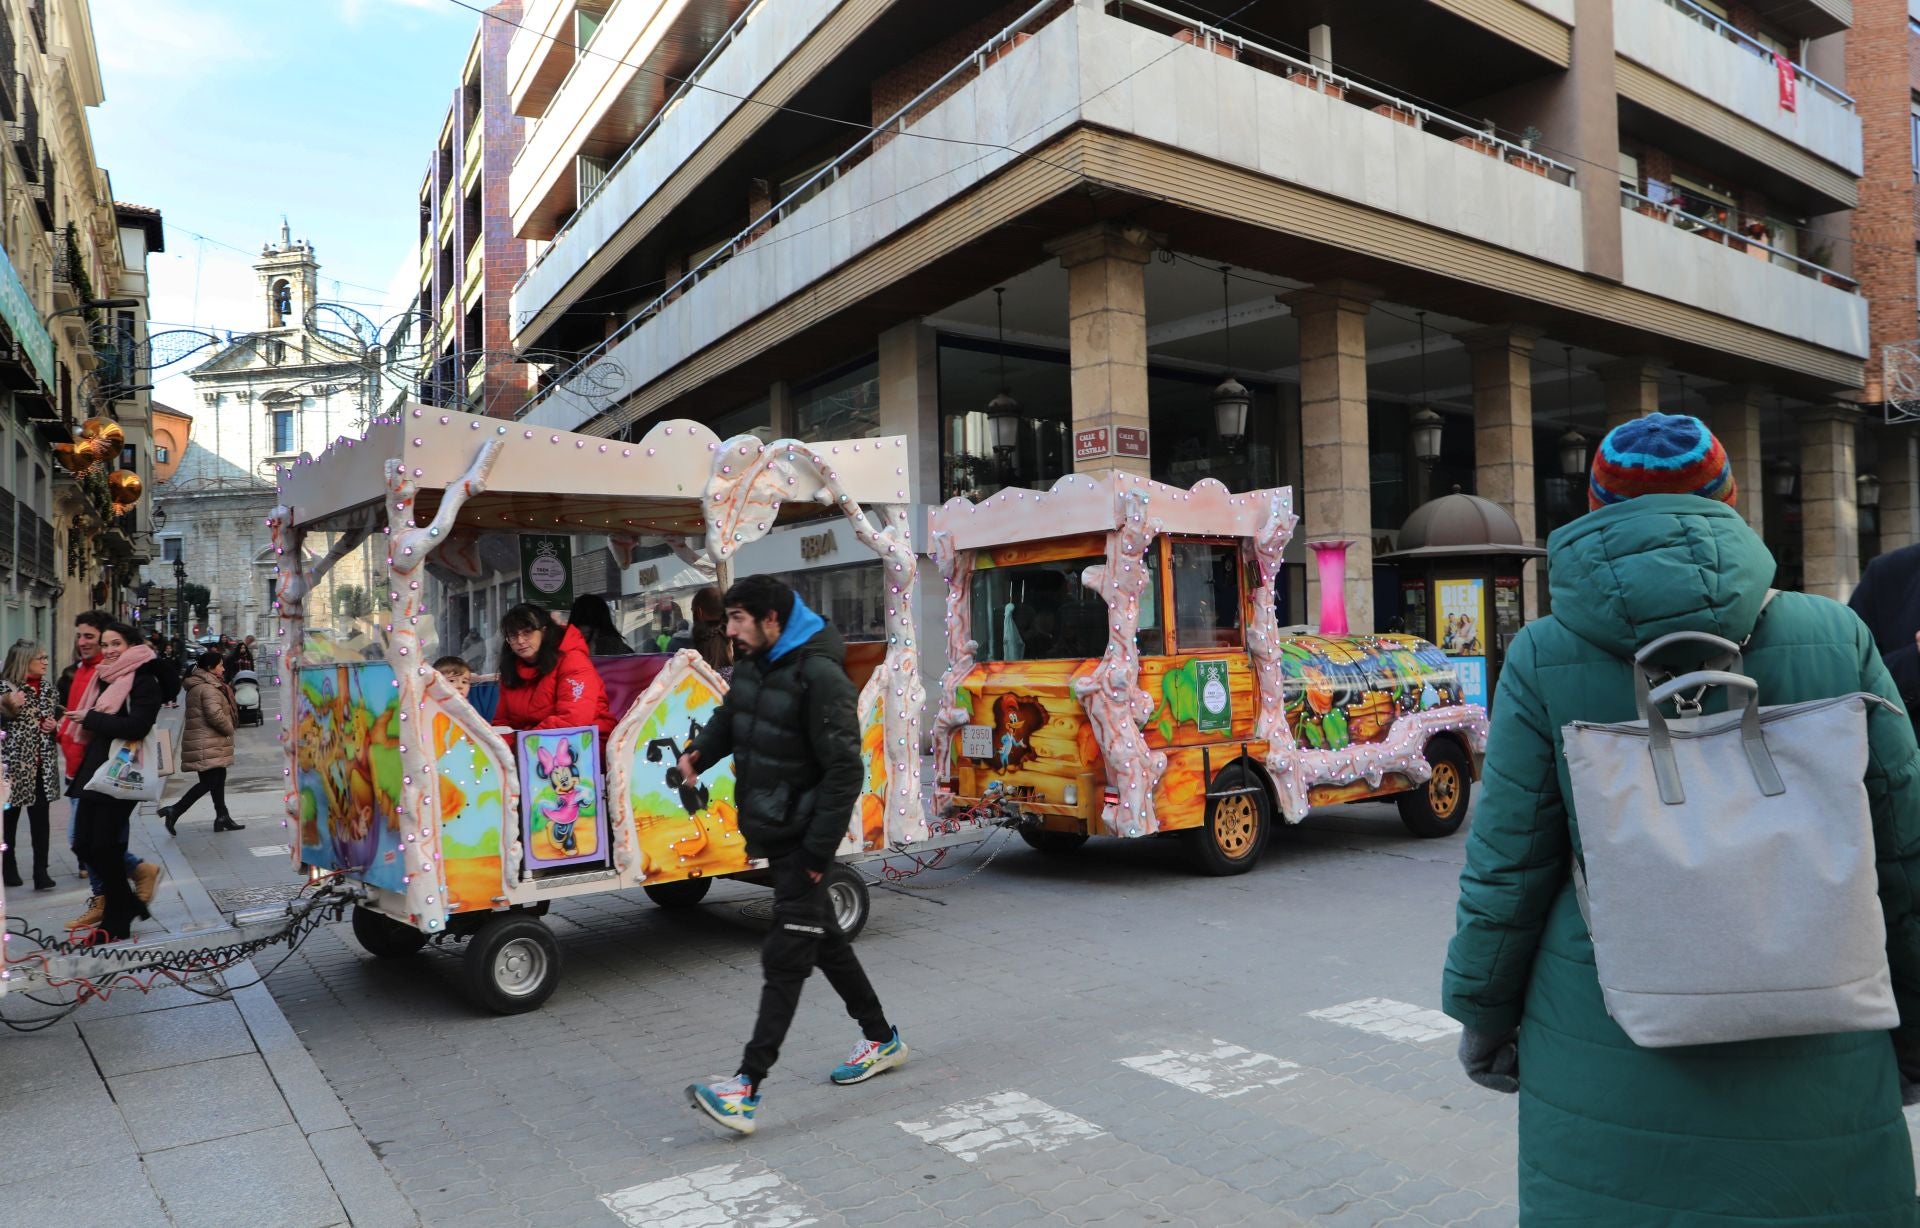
(227, 114)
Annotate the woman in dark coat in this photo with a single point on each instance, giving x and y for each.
(591, 617)
(1801, 1130)
(123, 702)
(29, 710)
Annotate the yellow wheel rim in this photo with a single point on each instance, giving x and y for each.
(1236, 822)
(1443, 790)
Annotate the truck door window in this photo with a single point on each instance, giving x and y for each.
(1206, 596)
(1037, 612)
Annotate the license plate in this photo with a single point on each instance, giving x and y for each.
(976, 741)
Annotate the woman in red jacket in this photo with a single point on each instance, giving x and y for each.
(547, 679)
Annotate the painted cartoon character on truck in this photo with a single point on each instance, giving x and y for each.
(571, 793)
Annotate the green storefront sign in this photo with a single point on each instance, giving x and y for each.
(1216, 697)
(546, 570)
(24, 320)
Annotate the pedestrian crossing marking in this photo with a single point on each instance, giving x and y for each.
(1386, 1017)
(717, 1197)
(1224, 1070)
(270, 850)
(1004, 1121)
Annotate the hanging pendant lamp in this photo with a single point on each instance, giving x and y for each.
(1427, 425)
(1572, 446)
(1231, 400)
(1003, 412)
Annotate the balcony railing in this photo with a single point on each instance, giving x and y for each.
(8, 75)
(25, 133)
(43, 191)
(37, 18)
(1304, 72)
(1748, 43)
(977, 61)
(1673, 215)
(689, 84)
(472, 274)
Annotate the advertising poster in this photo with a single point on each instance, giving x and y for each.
(1215, 713)
(1462, 629)
(1463, 617)
(546, 570)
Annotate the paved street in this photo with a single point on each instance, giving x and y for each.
(1102, 1038)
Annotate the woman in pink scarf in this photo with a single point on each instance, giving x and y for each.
(123, 702)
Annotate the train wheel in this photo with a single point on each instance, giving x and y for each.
(1237, 826)
(1439, 808)
(383, 936)
(513, 964)
(847, 895)
(683, 894)
(1052, 843)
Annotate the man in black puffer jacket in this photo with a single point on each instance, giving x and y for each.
(789, 721)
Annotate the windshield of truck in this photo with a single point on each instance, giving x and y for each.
(1042, 612)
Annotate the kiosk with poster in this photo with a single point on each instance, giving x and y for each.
(1462, 567)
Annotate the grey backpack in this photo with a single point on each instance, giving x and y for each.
(1729, 881)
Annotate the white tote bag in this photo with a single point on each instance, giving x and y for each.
(131, 772)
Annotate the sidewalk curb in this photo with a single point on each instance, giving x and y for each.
(361, 1182)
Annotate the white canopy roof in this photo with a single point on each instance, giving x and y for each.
(1093, 503)
(559, 481)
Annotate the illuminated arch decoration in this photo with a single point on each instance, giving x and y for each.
(749, 484)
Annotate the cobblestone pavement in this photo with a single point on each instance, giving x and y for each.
(1097, 1038)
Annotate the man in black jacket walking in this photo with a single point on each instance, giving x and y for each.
(790, 723)
(1887, 599)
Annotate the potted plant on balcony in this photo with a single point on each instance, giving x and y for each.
(1482, 141)
(1201, 38)
(1524, 157)
(1398, 112)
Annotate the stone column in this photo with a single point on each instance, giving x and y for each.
(1107, 335)
(1503, 431)
(1898, 468)
(1735, 420)
(1829, 515)
(780, 409)
(1632, 387)
(1336, 488)
(910, 406)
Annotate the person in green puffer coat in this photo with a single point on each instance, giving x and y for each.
(1806, 1130)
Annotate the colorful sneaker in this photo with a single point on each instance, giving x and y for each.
(727, 1102)
(869, 1058)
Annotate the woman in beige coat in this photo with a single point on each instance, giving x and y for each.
(206, 746)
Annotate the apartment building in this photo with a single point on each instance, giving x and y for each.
(1883, 73)
(469, 258)
(72, 312)
(1374, 250)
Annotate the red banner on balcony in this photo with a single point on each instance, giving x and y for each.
(1784, 67)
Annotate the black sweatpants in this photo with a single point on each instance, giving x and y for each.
(805, 936)
(211, 781)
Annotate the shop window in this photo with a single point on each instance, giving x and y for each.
(973, 462)
(845, 404)
(1206, 595)
(852, 598)
(1042, 612)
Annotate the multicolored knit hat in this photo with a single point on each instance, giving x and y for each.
(1660, 454)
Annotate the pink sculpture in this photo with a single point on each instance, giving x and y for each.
(1332, 559)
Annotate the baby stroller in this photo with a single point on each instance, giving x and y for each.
(246, 696)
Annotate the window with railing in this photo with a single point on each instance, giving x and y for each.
(1758, 42)
(37, 18)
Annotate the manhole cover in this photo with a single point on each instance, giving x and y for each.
(233, 899)
(758, 910)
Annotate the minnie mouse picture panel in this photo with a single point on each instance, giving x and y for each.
(562, 820)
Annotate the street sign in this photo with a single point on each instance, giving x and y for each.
(1091, 443)
(1130, 440)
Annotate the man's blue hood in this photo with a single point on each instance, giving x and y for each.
(802, 626)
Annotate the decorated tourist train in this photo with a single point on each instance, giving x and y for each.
(1115, 668)
(445, 825)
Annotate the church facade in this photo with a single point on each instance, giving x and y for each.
(262, 400)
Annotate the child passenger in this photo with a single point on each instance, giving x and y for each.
(457, 672)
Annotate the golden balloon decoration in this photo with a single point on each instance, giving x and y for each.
(124, 487)
(101, 440)
(106, 431)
